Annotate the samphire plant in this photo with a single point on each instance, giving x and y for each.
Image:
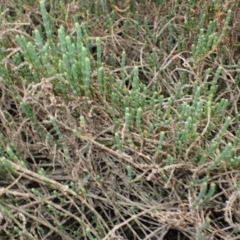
(117, 126)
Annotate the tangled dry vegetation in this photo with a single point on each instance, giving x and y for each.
(63, 174)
